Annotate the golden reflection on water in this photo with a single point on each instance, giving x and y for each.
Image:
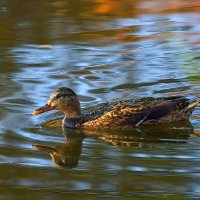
(24, 22)
(67, 154)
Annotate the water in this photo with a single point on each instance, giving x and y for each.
(103, 51)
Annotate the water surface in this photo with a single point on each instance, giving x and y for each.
(103, 51)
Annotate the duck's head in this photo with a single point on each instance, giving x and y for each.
(63, 99)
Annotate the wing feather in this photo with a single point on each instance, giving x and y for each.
(125, 116)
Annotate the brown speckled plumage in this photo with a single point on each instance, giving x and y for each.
(119, 114)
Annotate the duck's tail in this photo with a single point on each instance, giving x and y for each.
(189, 109)
(193, 104)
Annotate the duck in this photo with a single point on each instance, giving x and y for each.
(118, 114)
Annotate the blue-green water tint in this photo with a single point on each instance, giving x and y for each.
(102, 50)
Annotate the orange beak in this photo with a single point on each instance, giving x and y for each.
(43, 109)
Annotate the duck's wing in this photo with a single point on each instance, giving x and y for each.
(170, 110)
(96, 111)
(118, 117)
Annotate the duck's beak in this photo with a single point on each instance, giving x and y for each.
(47, 149)
(43, 109)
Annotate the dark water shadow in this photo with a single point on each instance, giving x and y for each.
(67, 154)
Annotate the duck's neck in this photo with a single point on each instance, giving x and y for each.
(72, 114)
(71, 122)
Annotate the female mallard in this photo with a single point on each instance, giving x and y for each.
(119, 113)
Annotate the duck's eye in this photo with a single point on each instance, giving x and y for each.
(58, 96)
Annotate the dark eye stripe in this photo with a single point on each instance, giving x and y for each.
(62, 95)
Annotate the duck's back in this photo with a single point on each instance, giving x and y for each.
(129, 113)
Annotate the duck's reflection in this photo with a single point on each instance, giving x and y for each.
(148, 136)
(67, 155)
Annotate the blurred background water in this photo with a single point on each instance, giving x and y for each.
(102, 50)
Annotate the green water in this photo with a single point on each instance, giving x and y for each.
(103, 50)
